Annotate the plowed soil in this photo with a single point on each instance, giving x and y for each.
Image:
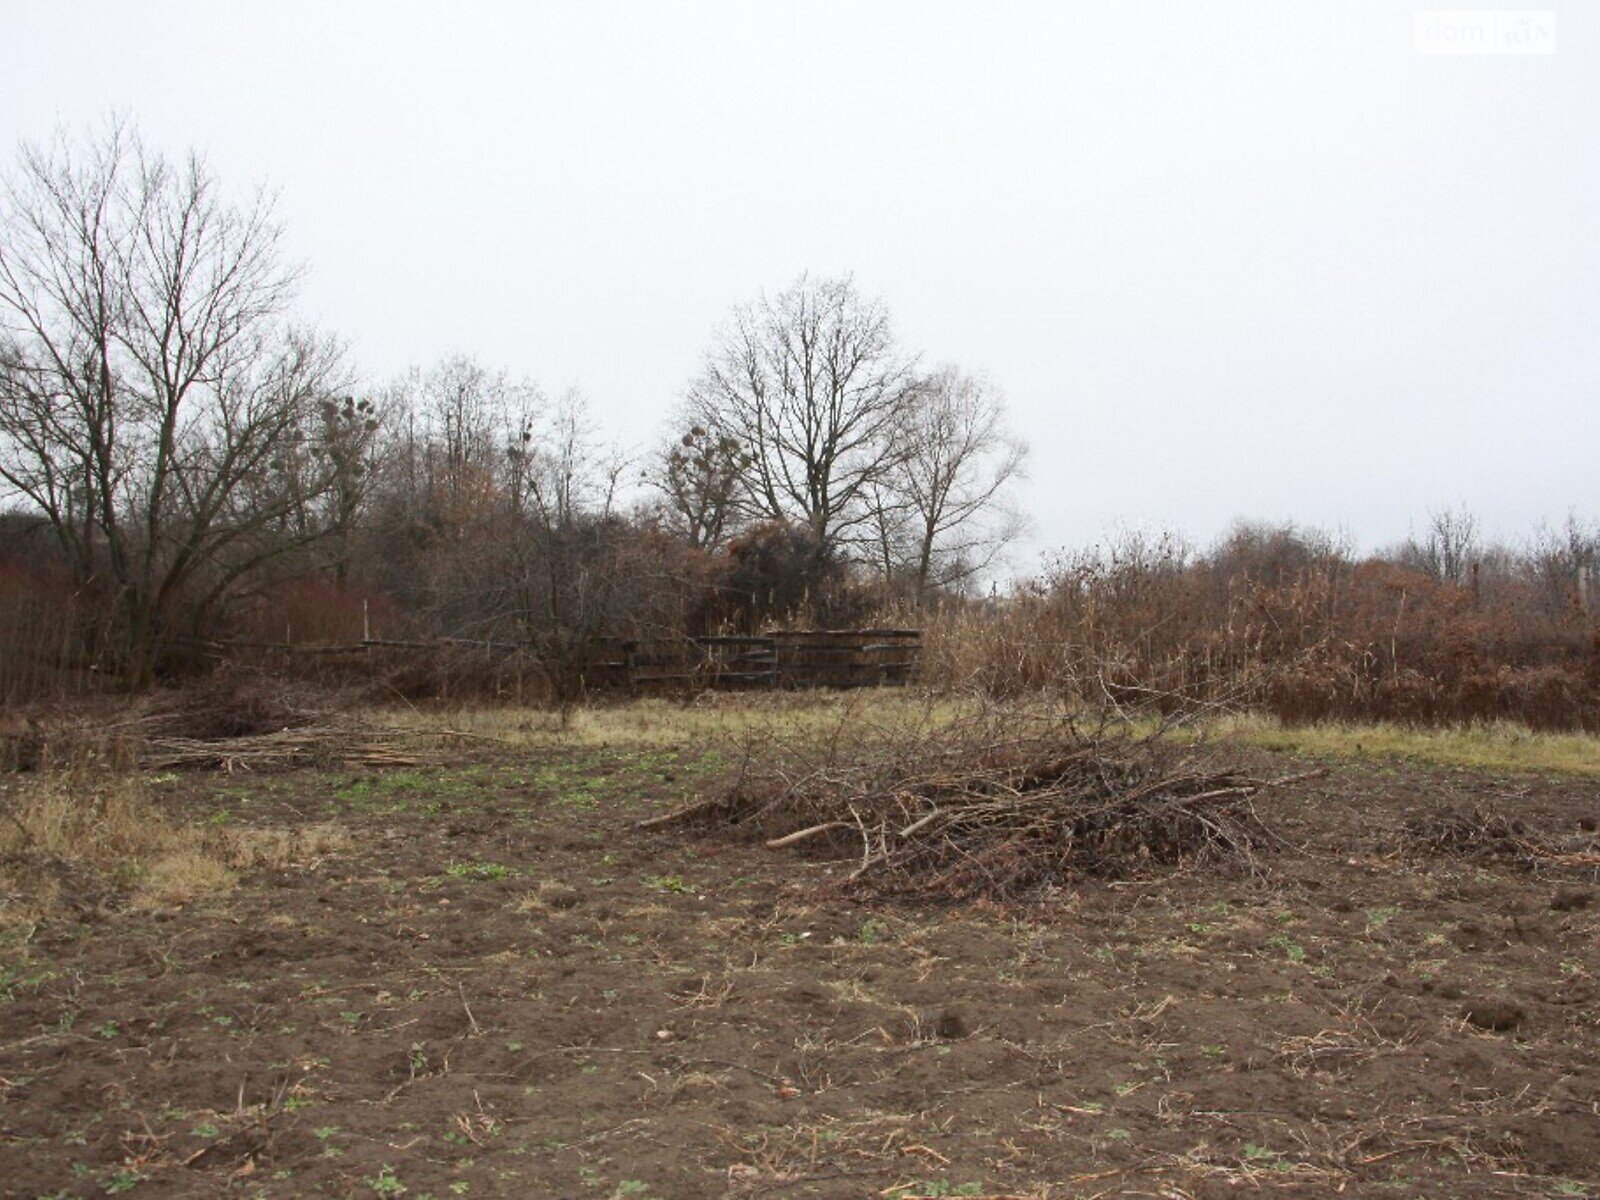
(495, 985)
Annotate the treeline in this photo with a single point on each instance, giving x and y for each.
(181, 463)
(185, 471)
(1440, 629)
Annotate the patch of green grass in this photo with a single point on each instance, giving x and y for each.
(19, 978)
(416, 792)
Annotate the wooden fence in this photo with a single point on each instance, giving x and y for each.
(835, 658)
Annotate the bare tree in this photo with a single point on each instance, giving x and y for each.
(1448, 550)
(1564, 567)
(698, 475)
(337, 469)
(565, 570)
(811, 384)
(451, 425)
(940, 514)
(149, 390)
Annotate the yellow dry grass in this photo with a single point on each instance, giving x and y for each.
(655, 722)
(788, 716)
(1498, 746)
(70, 833)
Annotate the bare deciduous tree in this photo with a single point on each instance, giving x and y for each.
(940, 512)
(698, 475)
(1449, 548)
(149, 391)
(811, 384)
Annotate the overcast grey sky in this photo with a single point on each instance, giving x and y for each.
(1226, 260)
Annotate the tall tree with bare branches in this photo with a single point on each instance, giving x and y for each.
(941, 514)
(813, 386)
(153, 403)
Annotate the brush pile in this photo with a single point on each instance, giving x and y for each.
(321, 745)
(235, 720)
(1482, 834)
(1001, 820)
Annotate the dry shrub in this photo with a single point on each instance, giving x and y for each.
(1305, 636)
(88, 838)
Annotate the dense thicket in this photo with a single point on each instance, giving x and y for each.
(1290, 622)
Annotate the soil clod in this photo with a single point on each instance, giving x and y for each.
(1496, 1015)
(1567, 899)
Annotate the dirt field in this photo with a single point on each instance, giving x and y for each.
(476, 978)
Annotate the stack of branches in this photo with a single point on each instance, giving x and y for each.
(352, 745)
(1483, 834)
(1002, 819)
(234, 718)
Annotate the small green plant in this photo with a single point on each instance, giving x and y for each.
(1293, 949)
(385, 1182)
(122, 1180)
(668, 883)
(872, 932)
(1377, 918)
(1265, 1156)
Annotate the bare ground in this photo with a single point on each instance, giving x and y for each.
(497, 986)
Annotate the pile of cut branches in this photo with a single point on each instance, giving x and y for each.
(1000, 819)
(350, 745)
(1483, 834)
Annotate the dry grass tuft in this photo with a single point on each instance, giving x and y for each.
(83, 838)
(302, 847)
